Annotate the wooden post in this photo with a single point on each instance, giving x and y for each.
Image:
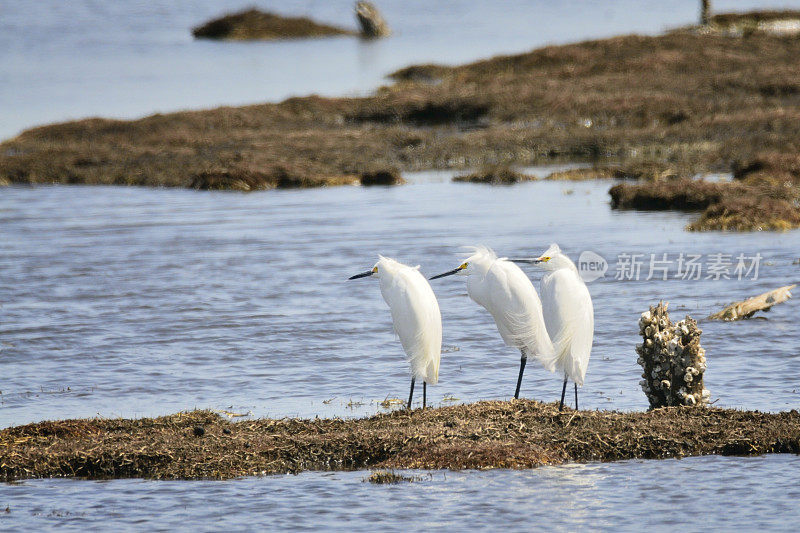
(705, 12)
(372, 23)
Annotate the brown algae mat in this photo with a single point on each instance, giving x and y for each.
(253, 24)
(488, 434)
(657, 109)
(501, 175)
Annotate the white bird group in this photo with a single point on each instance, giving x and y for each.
(557, 330)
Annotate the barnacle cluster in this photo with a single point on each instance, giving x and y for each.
(672, 359)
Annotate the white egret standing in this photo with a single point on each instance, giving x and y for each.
(506, 292)
(416, 316)
(568, 314)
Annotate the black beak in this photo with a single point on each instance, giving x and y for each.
(362, 275)
(531, 261)
(448, 273)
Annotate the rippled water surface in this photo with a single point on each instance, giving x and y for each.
(709, 493)
(133, 301)
(125, 58)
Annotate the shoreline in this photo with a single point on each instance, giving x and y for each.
(488, 434)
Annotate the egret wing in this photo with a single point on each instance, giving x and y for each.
(517, 309)
(417, 321)
(569, 316)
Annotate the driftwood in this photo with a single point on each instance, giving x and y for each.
(747, 308)
(371, 21)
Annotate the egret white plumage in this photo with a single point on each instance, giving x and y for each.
(504, 290)
(416, 317)
(568, 314)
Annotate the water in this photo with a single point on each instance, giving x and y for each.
(627, 496)
(140, 302)
(137, 302)
(66, 60)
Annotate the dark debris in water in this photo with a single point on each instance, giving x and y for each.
(390, 477)
(490, 434)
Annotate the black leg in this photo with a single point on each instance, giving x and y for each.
(563, 391)
(576, 396)
(424, 393)
(522, 362)
(411, 394)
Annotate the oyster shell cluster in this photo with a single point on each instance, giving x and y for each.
(672, 359)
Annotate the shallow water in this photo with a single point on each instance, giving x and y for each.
(137, 302)
(719, 493)
(65, 60)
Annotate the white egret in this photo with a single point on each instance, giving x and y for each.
(505, 291)
(416, 317)
(568, 314)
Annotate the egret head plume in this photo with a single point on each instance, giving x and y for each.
(479, 259)
(384, 264)
(551, 259)
(554, 259)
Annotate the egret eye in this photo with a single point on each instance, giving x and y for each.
(545, 259)
(463, 266)
(374, 270)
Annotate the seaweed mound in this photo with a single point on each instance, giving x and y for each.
(389, 176)
(254, 180)
(679, 195)
(488, 434)
(253, 24)
(584, 174)
(764, 195)
(501, 175)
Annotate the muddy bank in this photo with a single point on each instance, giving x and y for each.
(253, 24)
(516, 434)
(663, 108)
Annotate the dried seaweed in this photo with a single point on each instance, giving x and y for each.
(253, 24)
(490, 434)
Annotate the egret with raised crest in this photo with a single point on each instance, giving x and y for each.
(568, 314)
(416, 317)
(503, 289)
